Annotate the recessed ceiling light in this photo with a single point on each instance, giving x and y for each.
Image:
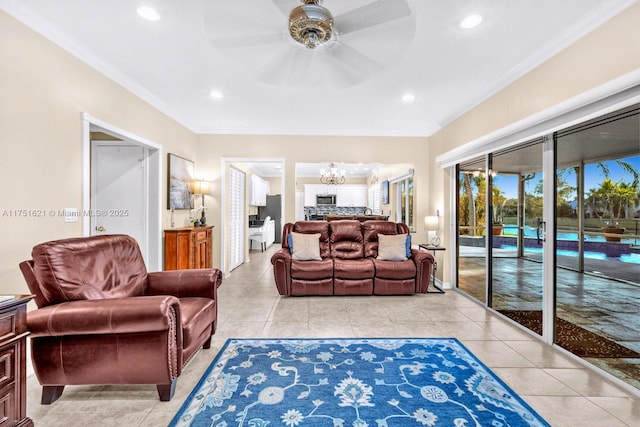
(471, 21)
(148, 13)
(216, 94)
(408, 97)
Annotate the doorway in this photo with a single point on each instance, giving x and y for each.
(148, 210)
(118, 188)
(234, 220)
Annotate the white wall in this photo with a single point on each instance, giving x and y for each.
(609, 52)
(43, 93)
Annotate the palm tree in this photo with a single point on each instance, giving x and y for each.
(626, 196)
(627, 167)
(471, 206)
(601, 199)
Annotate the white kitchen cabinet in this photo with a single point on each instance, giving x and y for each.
(258, 191)
(359, 195)
(310, 192)
(351, 195)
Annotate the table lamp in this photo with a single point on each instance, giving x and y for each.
(432, 223)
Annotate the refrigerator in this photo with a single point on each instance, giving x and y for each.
(273, 208)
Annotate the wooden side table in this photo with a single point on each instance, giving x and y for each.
(434, 249)
(13, 360)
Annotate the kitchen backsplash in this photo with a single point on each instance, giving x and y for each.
(333, 210)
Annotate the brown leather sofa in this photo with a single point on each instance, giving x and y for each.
(103, 319)
(349, 264)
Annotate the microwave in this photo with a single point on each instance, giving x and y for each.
(325, 200)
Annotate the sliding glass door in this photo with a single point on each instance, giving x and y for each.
(517, 238)
(548, 236)
(598, 253)
(471, 225)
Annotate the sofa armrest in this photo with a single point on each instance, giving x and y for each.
(185, 283)
(105, 316)
(424, 265)
(281, 261)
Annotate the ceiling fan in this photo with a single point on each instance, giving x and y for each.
(305, 42)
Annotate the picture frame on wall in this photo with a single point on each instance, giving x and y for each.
(385, 192)
(180, 175)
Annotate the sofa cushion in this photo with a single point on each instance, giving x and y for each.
(370, 231)
(393, 247)
(305, 247)
(197, 316)
(312, 227)
(98, 267)
(395, 269)
(346, 239)
(312, 270)
(353, 268)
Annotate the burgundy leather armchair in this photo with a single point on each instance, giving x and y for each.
(103, 319)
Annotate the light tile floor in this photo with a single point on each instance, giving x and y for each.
(607, 307)
(563, 391)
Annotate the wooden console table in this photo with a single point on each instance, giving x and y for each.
(188, 247)
(13, 360)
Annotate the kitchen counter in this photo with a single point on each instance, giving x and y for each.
(358, 217)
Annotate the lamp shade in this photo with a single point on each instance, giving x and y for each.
(431, 222)
(200, 186)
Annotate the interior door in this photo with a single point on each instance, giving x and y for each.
(118, 200)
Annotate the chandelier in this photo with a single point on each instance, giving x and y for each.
(333, 175)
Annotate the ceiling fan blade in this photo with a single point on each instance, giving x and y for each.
(250, 40)
(375, 13)
(354, 60)
(291, 67)
(286, 6)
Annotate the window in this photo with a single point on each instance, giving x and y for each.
(404, 200)
(373, 201)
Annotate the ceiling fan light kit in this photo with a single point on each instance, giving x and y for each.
(311, 24)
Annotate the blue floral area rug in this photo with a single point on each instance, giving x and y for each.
(351, 382)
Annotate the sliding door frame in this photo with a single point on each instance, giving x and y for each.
(612, 96)
(549, 237)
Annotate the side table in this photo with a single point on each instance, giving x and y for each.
(13, 344)
(432, 248)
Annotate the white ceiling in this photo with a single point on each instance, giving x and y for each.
(271, 169)
(274, 87)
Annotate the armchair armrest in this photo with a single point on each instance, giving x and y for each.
(281, 261)
(105, 316)
(185, 283)
(424, 265)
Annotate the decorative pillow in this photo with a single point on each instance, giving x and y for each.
(408, 245)
(290, 243)
(394, 247)
(304, 247)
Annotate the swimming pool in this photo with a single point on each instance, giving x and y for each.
(512, 230)
(632, 258)
(596, 247)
